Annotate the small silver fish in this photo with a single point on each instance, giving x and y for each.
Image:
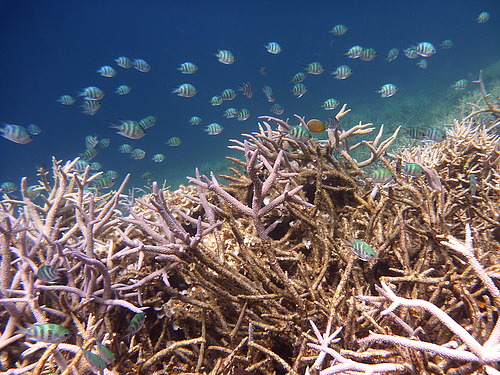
(330, 104)
(174, 141)
(123, 90)
(387, 90)
(33, 129)
(273, 48)
(195, 120)
(106, 71)
(158, 158)
(342, 72)
(138, 154)
(483, 17)
(315, 68)
(186, 90)
(225, 57)
(16, 133)
(392, 54)
(299, 89)
(247, 89)
(141, 65)
(425, 49)
(66, 100)
(92, 93)
(268, 91)
(338, 30)
(124, 62)
(8, 187)
(46, 332)
(213, 129)
(187, 68)
(243, 114)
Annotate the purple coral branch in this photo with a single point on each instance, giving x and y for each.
(260, 190)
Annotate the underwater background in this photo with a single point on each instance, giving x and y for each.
(52, 48)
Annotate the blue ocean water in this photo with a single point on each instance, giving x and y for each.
(50, 48)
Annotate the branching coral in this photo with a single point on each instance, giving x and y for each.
(230, 275)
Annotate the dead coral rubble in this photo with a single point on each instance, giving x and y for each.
(248, 275)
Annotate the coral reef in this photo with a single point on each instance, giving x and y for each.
(247, 276)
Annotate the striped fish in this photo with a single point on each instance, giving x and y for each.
(330, 104)
(89, 154)
(273, 48)
(213, 129)
(123, 90)
(174, 141)
(460, 85)
(33, 129)
(368, 54)
(158, 158)
(97, 363)
(387, 90)
(447, 44)
(91, 141)
(47, 274)
(225, 57)
(8, 187)
(299, 133)
(435, 135)
(411, 53)
(230, 113)
(381, 176)
(268, 91)
(338, 30)
(354, 52)
(342, 72)
(425, 49)
(362, 250)
(243, 114)
(125, 149)
(277, 109)
(415, 133)
(195, 120)
(314, 68)
(422, 63)
(104, 143)
(129, 128)
(299, 89)
(147, 176)
(80, 166)
(392, 54)
(483, 17)
(92, 93)
(46, 332)
(106, 71)
(413, 169)
(141, 65)
(90, 107)
(16, 134)
(104, 183)
(138, 154)
(95, 166)
(299, 77)
(228, 94)
(185, 90)
(247, 89)
(187, 68)
(216, 100)
(148, 122)
(136, 323)
(66, 100)
(112, 174)
(105, 353)
(124, 62)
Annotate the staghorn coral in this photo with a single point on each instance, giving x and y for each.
(222, 291)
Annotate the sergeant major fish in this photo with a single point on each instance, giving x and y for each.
(46, 332)
(273, 48)
(106, 71)
(186, 90)
(16, 133)
(187, 68)
(225, 57)
(387, 90)
(141, 65)
(129, 128)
